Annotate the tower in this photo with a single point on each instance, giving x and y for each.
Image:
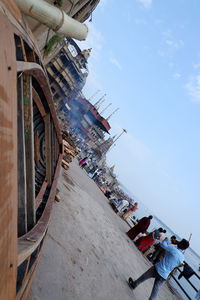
(82, 57)
(105, 146)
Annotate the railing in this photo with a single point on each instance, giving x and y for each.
(30, 244)
(189, 282)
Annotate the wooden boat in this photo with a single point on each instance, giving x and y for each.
(30, 156)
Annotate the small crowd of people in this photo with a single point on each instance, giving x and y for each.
(168, 254)
(93, 172)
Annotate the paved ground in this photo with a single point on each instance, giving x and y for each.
(87, 255)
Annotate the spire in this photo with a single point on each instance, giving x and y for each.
(86, 53)
(112, 114)
(105, 108)
(112, 168)
(105, 146)
(99, 102)
(91, 97)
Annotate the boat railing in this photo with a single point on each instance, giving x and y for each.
(30, 244)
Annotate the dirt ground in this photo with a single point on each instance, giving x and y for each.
(86, 254)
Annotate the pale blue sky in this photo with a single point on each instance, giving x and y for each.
(146, 57)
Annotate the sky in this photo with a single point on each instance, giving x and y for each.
(146, 58)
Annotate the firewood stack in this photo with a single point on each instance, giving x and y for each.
(69, 150)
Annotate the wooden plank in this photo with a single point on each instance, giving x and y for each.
(28, 66)
(47, 120)
(29, 149)
(22, 201)
(53, 133)
(38, 102)
(8, 161)
(24, 292)
(23, 49)
(41, 194)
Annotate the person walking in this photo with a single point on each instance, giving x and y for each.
(140, 227)
(173, 258)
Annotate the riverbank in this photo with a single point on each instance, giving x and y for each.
(87, 254)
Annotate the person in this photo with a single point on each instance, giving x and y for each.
(129, 212)
(83, 162)
(108, 194)
(92, 171)
(96, 173)
(144, 242)
(173, 240)
(140, 227)
(160, 252)
(122, 206)
(163, 268)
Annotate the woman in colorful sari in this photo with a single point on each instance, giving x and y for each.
(144, 242)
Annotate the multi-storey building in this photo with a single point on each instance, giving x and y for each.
(67, 72)
(79, 10)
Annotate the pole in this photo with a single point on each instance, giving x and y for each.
(123, 131)
(112, 114)
(105, 108)
(93, 95)
(100, 101)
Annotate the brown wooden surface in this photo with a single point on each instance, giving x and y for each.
(29, 149)
(47, 120)
(41, 194)
(8, 162)
(29, 242)
(22, 200)
(37, 71)
(19, 26)
(38, 102)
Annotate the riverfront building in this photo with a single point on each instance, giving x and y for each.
(67, 72)
(79, 10)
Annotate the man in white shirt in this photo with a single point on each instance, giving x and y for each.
(122, 206)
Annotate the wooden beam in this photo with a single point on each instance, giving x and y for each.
(38, 103)
(47, 120)
(41, 194)
(29, 148)
(8, 161)
(22, 201)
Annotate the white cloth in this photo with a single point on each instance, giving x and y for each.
(123, 205)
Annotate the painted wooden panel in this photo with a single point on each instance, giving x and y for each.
(8, 162)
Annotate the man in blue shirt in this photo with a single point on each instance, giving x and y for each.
(173, 258)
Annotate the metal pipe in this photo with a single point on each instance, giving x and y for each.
(54, 18)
